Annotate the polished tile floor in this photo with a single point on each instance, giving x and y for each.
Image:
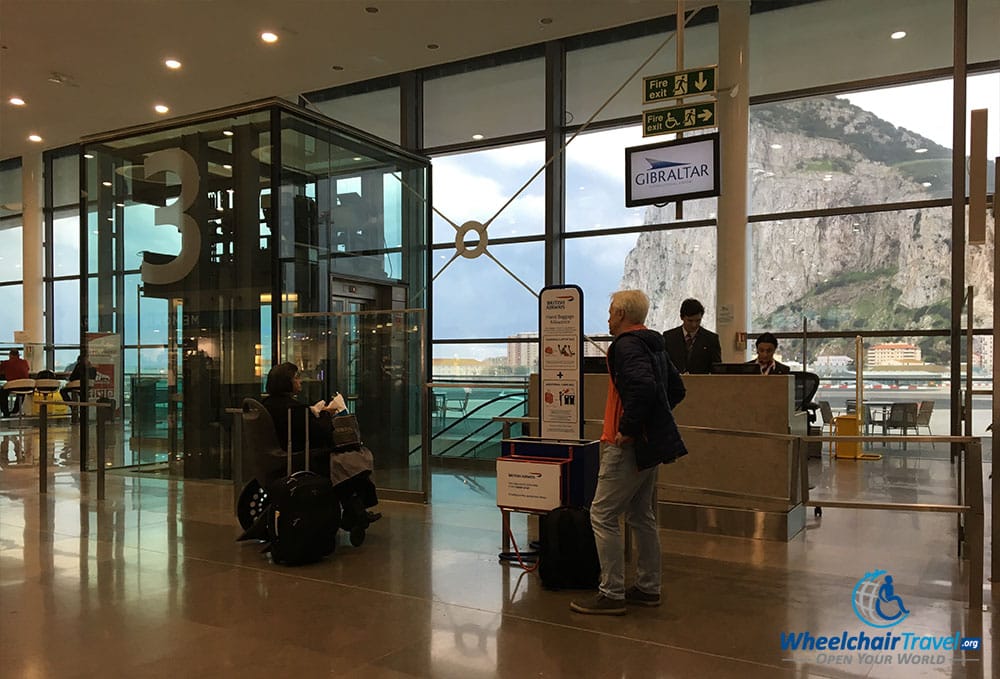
(151, 583)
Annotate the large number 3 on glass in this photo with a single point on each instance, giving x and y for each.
(182, 164)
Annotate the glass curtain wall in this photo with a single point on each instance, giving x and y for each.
(62, 259)
(849, 178)
(848, 149)
(11, 297)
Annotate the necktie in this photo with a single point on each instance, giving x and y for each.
(689, 340)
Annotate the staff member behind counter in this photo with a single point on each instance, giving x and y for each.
(767, 344)
(692, 348)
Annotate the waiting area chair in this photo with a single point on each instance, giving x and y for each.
(45, 390)
(459, 404)
(924, 418)
(827, 412)
(902, 416)
(20, 388)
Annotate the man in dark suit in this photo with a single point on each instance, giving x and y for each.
(767, 344)
(692, 348)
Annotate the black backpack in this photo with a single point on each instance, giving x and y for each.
(568, 554)
(302, 519)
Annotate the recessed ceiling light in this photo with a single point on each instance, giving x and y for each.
(357, 158)
(898, 35)
(227, 166)
(34, 138)
(775, 146)
(172, 63)
(88, 156)
(105, 183)
(337, 68)
(925, 184)
(371, 10)
(17, 101)
(120, 204)
(268, 36)
(920, 151)
(228, 133)
(545, 21)
(160, 108)
(433, 46)
(477, 136)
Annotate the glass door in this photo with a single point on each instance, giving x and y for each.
(373, 358)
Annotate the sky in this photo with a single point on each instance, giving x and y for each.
(921, 108)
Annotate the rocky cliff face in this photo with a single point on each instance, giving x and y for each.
(871, 271)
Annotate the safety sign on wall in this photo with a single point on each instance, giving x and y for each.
(560, 333)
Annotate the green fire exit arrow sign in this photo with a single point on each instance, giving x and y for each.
(678, 119)
(680, 84)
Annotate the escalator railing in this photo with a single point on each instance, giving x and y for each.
(453, 442)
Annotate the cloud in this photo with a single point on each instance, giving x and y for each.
(925, 108)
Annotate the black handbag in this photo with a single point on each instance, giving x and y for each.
(346, 433)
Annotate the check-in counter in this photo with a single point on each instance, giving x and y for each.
(728, 485)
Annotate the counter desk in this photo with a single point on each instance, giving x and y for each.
(727, 485)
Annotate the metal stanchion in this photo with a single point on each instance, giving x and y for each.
(995, 528)
(974, 527)
(237, 452)
(84, 420)
(43, 447)
(106, 406)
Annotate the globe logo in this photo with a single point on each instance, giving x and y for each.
(875, 601)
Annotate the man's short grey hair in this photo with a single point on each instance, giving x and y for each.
(632, 303)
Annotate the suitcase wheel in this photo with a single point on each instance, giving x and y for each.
(252, 502)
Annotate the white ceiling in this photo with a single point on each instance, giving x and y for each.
(109, 53)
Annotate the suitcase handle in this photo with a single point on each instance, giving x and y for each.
(289, 448)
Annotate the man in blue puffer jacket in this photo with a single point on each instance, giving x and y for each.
(639, 434)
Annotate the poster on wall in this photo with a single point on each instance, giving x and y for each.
(104, 354)
(560, 335)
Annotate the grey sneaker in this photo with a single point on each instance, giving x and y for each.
(599, 605)
(634, 595)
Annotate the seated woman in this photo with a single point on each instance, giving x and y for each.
(349, 471)
(283, 384)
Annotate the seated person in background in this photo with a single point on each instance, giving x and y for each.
(692, 348)
(76, 375)
(767, 344)
(14, 368)
(355, 493)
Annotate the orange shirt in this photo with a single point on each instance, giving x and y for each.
(612, 414)
(613, 405)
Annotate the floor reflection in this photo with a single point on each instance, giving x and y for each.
(150, 582)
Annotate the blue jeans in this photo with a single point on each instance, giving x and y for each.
(623, 489)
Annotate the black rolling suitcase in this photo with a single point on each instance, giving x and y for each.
(303, 515)
(567, 556)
